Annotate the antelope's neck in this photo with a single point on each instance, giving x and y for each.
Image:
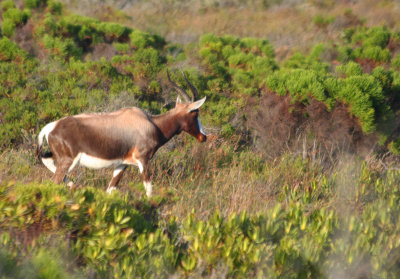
(168, 125)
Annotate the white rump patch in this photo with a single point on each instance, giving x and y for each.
(201, 127)
(49, 163)
(46, 131)
(148, 187)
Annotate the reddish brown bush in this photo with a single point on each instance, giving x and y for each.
(311, 130)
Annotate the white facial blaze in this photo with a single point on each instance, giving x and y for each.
(201, 127)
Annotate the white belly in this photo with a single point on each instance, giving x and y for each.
(96, 163)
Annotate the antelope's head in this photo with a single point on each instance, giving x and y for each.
(188, 110)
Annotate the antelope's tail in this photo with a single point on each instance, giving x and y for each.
(44, 133)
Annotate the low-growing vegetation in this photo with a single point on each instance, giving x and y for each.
(298, 179)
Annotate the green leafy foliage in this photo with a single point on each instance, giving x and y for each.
(243, 62)
(111, 235)
(13, 17)
(310, 224)
(367, 44)
(322, 21)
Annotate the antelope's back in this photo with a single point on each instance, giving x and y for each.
(105, 135)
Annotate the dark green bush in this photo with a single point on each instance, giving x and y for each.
(349, 69)
(13, 17)
(32, 4)
(17, 16)
(367, 43)
(61, 48)
(112, 30)
(8, 28)
(55, 7)
(244, 61)
(375, 36)
(301, 85)
(9, 51)
(140, 39)
(396, 62)
(7, 4)
(374, 53)
(322, 21)
(311, 62)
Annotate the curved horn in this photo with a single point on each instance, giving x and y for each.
(192, 88)
(180, 90)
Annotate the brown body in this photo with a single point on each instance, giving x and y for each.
(125, 137)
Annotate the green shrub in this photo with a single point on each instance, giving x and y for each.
(375, 36)
(322, 21)
(7, 4)
(345, 54)
(32, 4)
(300, 84)
(384, 77)
(244, 61)
(310, 62)
(396, 62)
(50, 25)
(61, 48)
(8, 28)
(113, 30)
(55, 7)
(364, 96)
(13, 17)
(367, 43)
(373, 53)
(17, 16)
(121, 47)
(140, 39)
(350, 69)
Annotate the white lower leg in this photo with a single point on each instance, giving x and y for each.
(110, 189)
(148, 187)
(70, 184)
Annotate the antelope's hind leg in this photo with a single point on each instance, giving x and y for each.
(62, 169)
(65, 166)
(117, 174)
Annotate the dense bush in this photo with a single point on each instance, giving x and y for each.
(368, 44)
(13, 17)
(305, 218)
(32, 95)
(243, 62)
(110, 234)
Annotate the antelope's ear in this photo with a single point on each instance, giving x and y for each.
(195, 105)
(178, 100)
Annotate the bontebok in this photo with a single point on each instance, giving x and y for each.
(118, 139)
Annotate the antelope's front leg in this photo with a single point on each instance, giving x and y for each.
(148, 186)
